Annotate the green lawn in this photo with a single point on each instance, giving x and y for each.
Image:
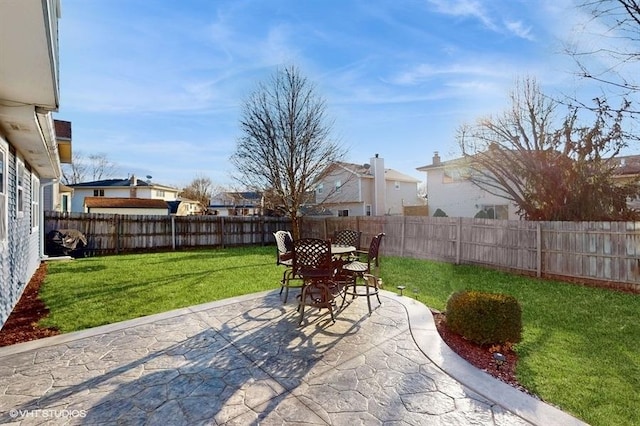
(580, 349)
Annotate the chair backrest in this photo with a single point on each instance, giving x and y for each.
(347, 237)
(284, 245)
(312, 254)
(374, 250)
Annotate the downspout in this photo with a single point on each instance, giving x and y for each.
(41, 224)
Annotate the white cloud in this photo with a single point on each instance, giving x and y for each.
(424, 72)
(464, 8)
(518, 28)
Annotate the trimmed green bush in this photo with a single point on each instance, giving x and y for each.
(485, 318)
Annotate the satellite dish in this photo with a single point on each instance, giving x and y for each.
(149, 176)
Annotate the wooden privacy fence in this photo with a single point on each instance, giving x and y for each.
(599, 252)
(602, 253)
(113, 234)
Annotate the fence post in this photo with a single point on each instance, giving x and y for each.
(458, 240)
(173, 232)
(222, 231)
(117, 218)
(404, 227)
(539, 250)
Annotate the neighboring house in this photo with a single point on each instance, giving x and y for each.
(120, 188)
(30, 152)
(57, 196)
(184, 207)
(348, 189)
(628, 168)
(248, 203)
(125, 206)
(450, 190)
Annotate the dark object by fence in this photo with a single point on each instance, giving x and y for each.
(66, 242)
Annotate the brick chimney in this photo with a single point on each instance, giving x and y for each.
(436, 159)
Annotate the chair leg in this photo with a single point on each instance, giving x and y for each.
(286, 278)
(300, 309)
(351, 282)
(368, 298)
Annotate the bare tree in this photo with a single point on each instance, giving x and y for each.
(286, 141)
(200, 189)
(88, 167)
(614, 60)
(550, 170)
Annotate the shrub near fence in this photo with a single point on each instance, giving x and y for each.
(114, 234)
(603, 253)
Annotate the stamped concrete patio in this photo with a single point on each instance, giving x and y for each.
(245, 361)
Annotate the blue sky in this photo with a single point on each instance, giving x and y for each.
(157, 86)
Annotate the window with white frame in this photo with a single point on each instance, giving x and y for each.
(338, 185)
(342, 213)
(3, 195)
(20, 187)
(98, 192)
(159, 193)
(320, 188)
(367, 210)
(35, 203)
(396, 185)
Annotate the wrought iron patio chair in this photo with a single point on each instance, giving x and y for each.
(284, 256)
(312, 261)
(364, 274)
(347, 237)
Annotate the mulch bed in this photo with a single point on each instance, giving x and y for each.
(22, 324)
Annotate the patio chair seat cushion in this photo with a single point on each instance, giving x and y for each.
(356, 266)
(288, 256)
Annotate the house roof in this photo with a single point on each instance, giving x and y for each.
(173, 206)
(391, 174)
(364, 170)
(125, 203)
(108, 183)
(455, 162)
(627, 165)
(64, 188)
